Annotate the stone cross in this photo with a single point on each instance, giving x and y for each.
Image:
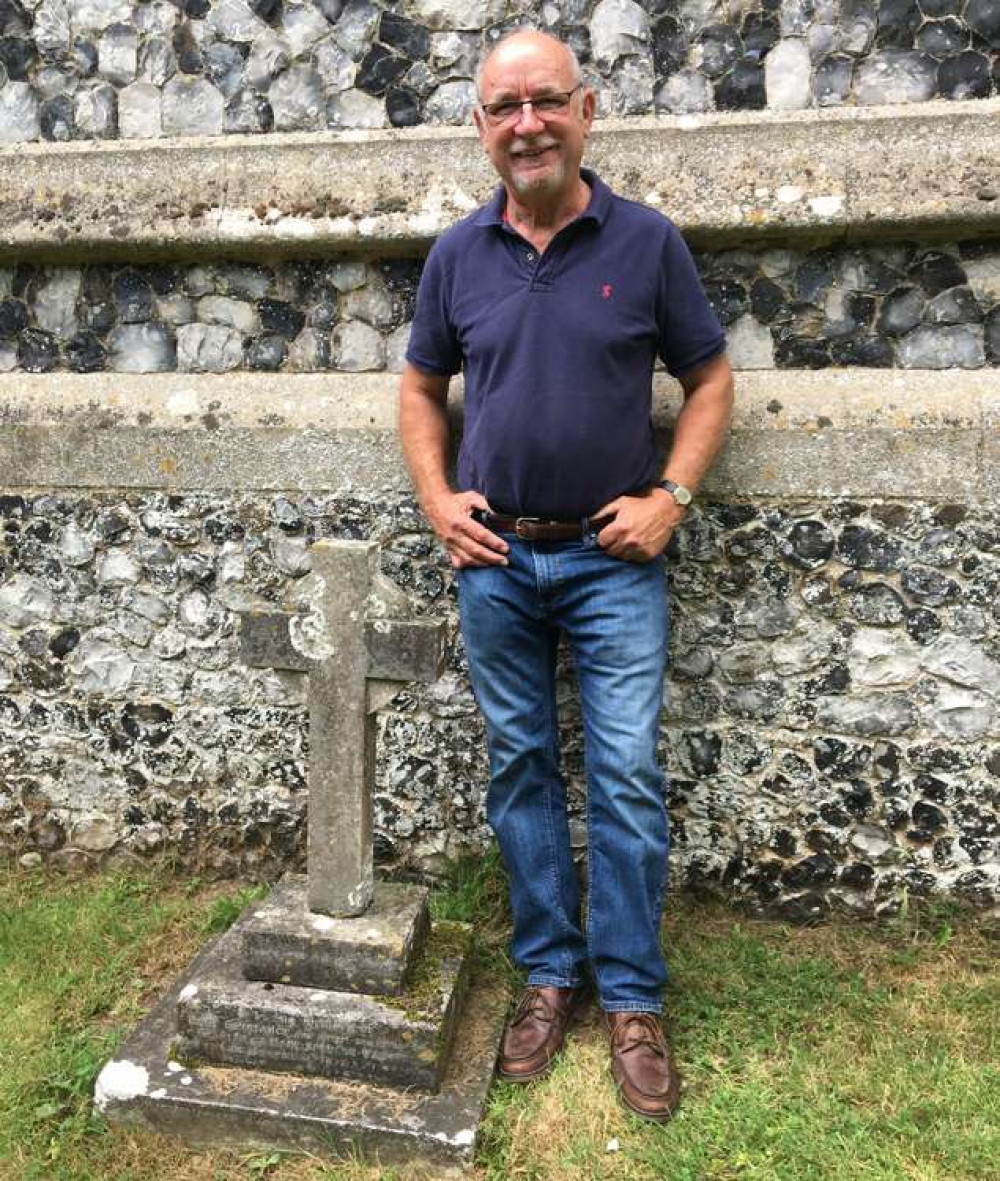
(358, 646)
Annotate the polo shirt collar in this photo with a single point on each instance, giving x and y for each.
(597, 209)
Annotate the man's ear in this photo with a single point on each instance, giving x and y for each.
(589, 110)
(480, 122)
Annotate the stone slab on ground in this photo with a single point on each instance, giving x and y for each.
(286, 943)
(399, 1041)
(216, 1107)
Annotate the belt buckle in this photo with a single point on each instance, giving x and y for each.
(522, 526)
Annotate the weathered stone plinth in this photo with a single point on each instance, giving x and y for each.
(400, 1041)
(286, 943)
(213, 1106)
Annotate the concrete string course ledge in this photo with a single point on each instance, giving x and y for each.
(881, 172)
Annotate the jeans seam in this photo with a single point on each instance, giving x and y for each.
(553, 733)
(631, 1007)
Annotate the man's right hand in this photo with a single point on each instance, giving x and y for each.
(468, 543)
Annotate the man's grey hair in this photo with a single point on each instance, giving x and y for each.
(574, 61)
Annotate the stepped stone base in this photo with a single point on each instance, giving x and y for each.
(213, 1106)
(286, 943)
(395, 1041)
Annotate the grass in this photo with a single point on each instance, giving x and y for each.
(840, 1052)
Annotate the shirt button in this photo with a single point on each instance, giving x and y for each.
(530, 257)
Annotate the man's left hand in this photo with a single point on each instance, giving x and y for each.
(642, 525)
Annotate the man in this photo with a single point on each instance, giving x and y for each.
(555, 299)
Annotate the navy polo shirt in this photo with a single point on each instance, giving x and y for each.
(558, 349)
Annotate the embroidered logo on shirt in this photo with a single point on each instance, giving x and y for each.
(606, 291)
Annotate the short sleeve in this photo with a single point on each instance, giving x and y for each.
(689, 330)
(434, 346)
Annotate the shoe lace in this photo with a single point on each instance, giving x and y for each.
(532, 1004)
(640, 1029)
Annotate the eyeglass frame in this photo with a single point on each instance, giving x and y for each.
(563, 95)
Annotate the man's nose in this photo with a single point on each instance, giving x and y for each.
(528, 122)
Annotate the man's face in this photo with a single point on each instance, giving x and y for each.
(535, 156)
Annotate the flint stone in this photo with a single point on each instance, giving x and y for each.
(686, 92)
(20, 118)
(76, 546)
(117, 568)
(964, 663)
(452, 102)
(354, 108)
(455, 14)
(286, 943)
(298, 100)
(234, 20)
(139, 111)
(95, 111)
(98, 14)
(958, 347)
(355, 29)
(117, 54)
(141, 348)
(358, 347)
(208, 348)
(192, 106)
(303, 26)
(24, 601)
(334, 66)
(395, 348)
(960, 714)
(750, 344)
(787, 69)
(52, 27)
(799, 654)
(876, 844)
(157, 62)
(230, 313)
(879, 659)
(868, 714)
(618, 28)
(94, 834)
(895, 76)
(55, 303)
(877, 603)
(101, 667)
(224, 1019)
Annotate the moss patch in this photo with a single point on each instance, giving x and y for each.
(447, 943)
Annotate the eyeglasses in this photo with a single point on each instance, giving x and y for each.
(508, 110)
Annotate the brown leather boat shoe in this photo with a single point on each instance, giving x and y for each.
(643, 1065)
(537, 1030)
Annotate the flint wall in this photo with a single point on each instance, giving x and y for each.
(198, 340)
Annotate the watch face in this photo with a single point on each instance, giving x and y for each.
(681, 494)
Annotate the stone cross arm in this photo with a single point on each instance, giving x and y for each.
(357, 644)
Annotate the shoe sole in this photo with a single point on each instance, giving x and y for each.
(659, 1118)
(574, 1014)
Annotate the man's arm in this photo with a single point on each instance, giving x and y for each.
(642, 525)
(423, 429)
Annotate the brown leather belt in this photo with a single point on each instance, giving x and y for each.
(542, 528)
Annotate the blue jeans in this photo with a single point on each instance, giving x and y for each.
(614, 616)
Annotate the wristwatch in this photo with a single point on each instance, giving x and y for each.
(681, 494)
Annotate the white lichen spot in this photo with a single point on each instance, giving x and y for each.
(826, 206)
(188, 991)
(174, 1067)
(460, 1139)
(119, 1082)
(309, 633)
(323, 923)
(182, 403)
(789, 193)
(186, 1081)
